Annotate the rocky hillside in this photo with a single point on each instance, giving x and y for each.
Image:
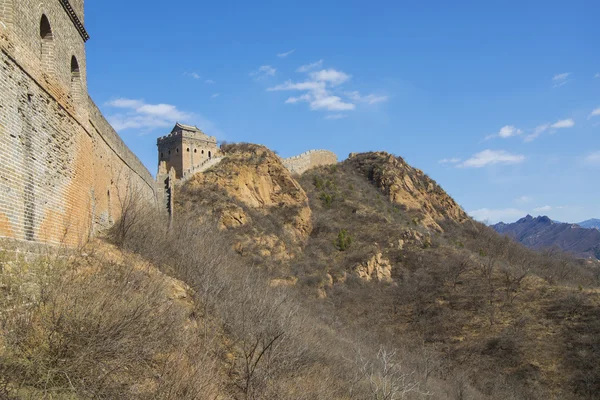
(542, 233)
(376, 248)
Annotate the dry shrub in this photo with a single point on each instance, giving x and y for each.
(93, 329)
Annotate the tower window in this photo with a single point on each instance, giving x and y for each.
(47, 46)
(162, 155)
(177, 150)
(195, 150)
(188, 149)
(75, 79)
(45, 29)
(202, 151)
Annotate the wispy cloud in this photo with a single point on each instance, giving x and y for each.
(311, 66)
(563, 123)
(597, 75)
(453, 160)
(136, 114)
(506, 132)
(542, 209)
(194, 75)
(263, 72)
(496, 215)
(336, 116)
(287, 53)
(536, 132)
(592, 158)
(523, 199)
(561, 79)
(368, 99)
(492, 157)
(331, 76)
(318, 93)
(209, 81)
(215, 95)
(595, 113)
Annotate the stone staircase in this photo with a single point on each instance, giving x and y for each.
(211, 162)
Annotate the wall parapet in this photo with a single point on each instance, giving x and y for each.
(309, 159)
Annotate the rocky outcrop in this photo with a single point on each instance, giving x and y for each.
(409, 188)
(377, 268)
(256, 183)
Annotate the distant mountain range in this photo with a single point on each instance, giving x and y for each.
(582, 240)
(590, 223)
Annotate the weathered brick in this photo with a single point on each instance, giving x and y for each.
(62, 166)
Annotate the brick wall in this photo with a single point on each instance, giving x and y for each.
(63, 168)
(312, 158)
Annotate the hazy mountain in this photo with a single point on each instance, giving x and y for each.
(590, 223)
(542, 232)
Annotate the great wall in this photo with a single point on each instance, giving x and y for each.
(63, 169)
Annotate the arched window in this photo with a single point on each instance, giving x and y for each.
(162, 155)
(75, 80)
(195, 150)
(202, 151)
(188, 149)
(209, 155)
(47, 46)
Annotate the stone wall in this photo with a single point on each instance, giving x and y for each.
(312, 158)
(63, 169)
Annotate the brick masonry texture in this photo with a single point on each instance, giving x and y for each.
(312, 158)
(63, 169)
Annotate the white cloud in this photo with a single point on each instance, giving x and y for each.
(311, 66)
(493, 216)
(263, 71)
(331, 103)
(335, 116)
(492, 157)
(592, 158)
(317, 93)
(563, 123)
(369, 99)
(523, 199)
(215, 95)
(289, 85)
(597, 75)
(136, 114)
(595, 113)
(453, 160)
(536, 132)
(505, 132)
(561, 79)
(194, 75)
(294, 100)
(331, 76)
(287, 53)
(542, 209)
(209, 81)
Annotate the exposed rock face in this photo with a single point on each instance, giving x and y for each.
(410, 188)
(377, 268)
(256, 182)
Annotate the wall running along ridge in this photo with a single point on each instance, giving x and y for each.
(310, 159)
(63, 170)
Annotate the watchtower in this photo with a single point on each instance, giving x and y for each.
(185, 149)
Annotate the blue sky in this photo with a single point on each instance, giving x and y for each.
(498, 101)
